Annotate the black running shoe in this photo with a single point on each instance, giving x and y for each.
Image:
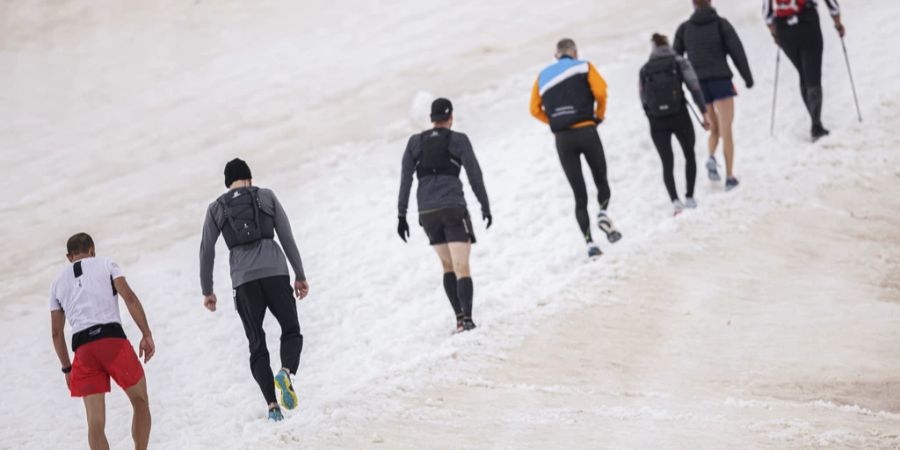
(818, 132)
(468, 325)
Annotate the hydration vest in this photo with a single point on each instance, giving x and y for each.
(788, 8)
(436, 158)
(245, 220)
(661, 81)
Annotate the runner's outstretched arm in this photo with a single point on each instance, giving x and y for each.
(407, 170)
(473, 173)
(146, 348)
(289, 245)
(57, 326)
(207, 259)
(598, 88)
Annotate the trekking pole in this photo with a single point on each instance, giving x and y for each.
(696, 116)
(852, 84)
(775, 90)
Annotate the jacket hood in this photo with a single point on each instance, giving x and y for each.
(704, 15)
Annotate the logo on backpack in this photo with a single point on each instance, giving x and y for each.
(661, 83)
(788, 8)
(245, 219)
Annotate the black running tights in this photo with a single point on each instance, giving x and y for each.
(662, 129)
(570, 145)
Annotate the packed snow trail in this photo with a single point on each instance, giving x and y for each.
(312, 126)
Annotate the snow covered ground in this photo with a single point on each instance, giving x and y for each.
(768, 318)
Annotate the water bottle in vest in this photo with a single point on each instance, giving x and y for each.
(661, 81)
(245, 220)
(436, 158)
(788, 8)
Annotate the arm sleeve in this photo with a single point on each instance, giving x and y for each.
(537, 105)
(54, 301)
(473, 172)
(736, 50)
(208, 252)
(598, 88)
(407, 169)
(286, 237)
(678, 42)
(691, 81)
(833, 7)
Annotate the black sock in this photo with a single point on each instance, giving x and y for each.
(465, 290)
(450, 288)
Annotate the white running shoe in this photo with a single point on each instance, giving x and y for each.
(690, 203)
(606, 226)
(678, 206)
(713, 168)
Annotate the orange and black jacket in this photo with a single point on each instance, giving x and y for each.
(565, 94)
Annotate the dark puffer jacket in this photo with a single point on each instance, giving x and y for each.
(708, 39)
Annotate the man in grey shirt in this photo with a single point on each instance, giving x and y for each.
(249, 217)
(436, 157)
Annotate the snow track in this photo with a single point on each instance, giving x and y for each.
(118, 123)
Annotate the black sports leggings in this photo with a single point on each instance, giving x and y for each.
(662, 129)
(570, 145)
(251, 300)
(802, 44)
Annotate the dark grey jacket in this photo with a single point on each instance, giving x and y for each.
(441, 191)
(687, 74)
(708, 39)
(261, 259)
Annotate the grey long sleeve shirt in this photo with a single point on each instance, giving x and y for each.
(441, 191)
(261, 259)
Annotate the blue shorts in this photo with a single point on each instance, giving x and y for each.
(717, 89)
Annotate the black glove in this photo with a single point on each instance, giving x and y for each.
(403, 228)
(490, 219)
(749, 84)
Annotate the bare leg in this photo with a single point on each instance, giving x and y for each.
(713, 120)
(95, 408)
(459, 252)
(140, 424)
(443, 252)
(725, 111)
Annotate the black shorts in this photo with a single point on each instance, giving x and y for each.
(447, 225)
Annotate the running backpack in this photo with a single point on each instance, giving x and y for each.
(661, 81)
(788, 8)
(436, 158)
(245, 220)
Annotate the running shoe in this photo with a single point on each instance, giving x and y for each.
(818, 132)
(288, 397)
(606, 226)
(731, 183)
(275, 414)
(468, 325)
(713, 168)
(678, 206)
(690, 203)
(593, 250)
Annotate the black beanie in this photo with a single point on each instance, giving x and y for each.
(236, 169)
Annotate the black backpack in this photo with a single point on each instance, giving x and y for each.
(245, 220)
(661, 81)
(436, 158)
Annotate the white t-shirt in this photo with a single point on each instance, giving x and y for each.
(85, 292)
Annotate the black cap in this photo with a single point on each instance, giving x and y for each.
(236, 169)
(441, 110)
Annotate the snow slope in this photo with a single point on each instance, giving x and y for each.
(118, 120)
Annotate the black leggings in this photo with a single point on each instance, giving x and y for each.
(662, 129)
(251, 300)
(802, 44)
(570, 145)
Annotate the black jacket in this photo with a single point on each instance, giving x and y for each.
(708, 39)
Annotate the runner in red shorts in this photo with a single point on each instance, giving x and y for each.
(86, 294)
